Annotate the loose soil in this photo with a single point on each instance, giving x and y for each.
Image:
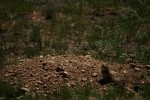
(46, 74)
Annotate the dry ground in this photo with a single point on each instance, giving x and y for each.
(46, 74)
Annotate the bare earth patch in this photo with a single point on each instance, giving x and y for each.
(46, 74)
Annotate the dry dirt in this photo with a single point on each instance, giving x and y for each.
(46, 74)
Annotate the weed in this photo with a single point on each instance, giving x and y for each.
(35, 37)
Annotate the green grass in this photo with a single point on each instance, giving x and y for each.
(124, 33)
(9, 92)
(90, 25)
(86, 92)
(16, 7)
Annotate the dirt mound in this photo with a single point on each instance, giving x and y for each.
(45, 74)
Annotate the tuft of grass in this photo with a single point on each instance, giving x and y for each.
(86, 92)
(9, 92)
(59, 47)
(118, 93)
(36, 37)
(36, 45)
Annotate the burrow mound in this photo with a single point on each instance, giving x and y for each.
(46, 74)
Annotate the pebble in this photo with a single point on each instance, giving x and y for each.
(147, 66)
(83, 71)
(94, 75)
(39, 82)
(64, 74)
(83, 79)
(58, 69)
(25, 89)
(132, 65)
(125, 71)
(137, 69)
(41, 56)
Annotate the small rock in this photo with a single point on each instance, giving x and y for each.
(147, 66)
(21, 60)
(132, 65)
(83, 79)
(104, 89)
(11, 71)
(44, 86)
(14, 74)
(83, 71)
(129, 60)
(31, 74)
(91, 81)
(64, 74)
(125, 71)
(94, 75)
(45, 68)
(48, 55)
(6, 75)
(44, 64)
(51, 62)
(88, 57)
(41, 56)
(137, 69)
(25, 89)
(58, 69)
(39, 82)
